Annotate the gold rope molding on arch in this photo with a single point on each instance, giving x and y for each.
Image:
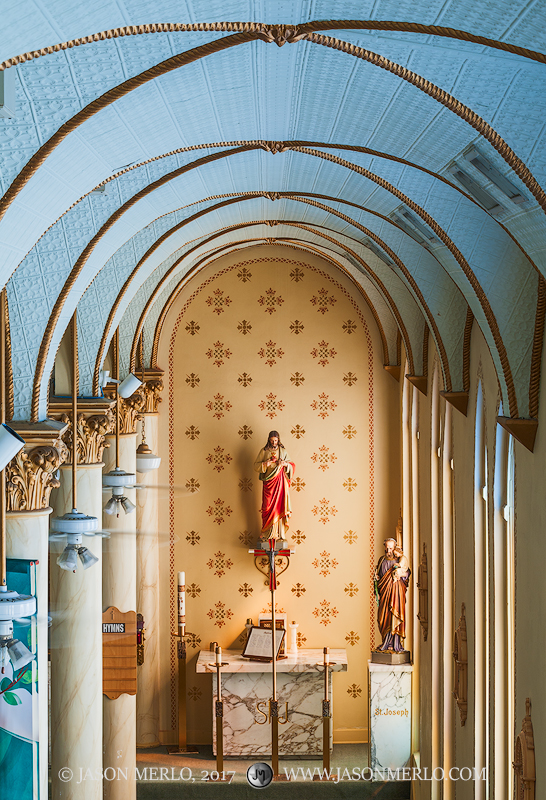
(469, 274)
(215, 255)
(213, 157)
(392, 306)
(222, 232)
(372, 235)
(297, 145)
(280, 34)
(302, 29)
(87, 251)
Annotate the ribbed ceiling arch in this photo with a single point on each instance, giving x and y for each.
(369, 124)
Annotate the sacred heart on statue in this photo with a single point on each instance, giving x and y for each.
(262, 563)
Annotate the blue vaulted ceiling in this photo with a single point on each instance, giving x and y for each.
(193, 137)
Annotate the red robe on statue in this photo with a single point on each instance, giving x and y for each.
(276, 508)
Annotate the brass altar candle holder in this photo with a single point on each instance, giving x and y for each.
(181, 749)
(326, 720)
(219, 716)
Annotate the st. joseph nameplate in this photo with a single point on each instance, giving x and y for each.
(119, 653)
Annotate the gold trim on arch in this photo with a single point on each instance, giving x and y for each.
(164, 179)
(161, 285)
(469, 274)
(258, 242)
(302, 28)
(251, 32)
(297, 145)
(381, 288)
(55, 314)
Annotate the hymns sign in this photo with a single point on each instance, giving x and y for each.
(119, 653)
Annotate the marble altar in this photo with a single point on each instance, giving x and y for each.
(245, 683)
(390, 715)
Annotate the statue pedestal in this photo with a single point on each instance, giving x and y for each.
(389, 690)
(388, 657)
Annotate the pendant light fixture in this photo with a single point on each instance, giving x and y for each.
(74, 524)
(12, 604)
(146, 461)
(117, 479)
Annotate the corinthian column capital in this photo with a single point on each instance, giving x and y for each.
(30, 476)
(96, 419)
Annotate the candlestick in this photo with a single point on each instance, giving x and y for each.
(218, 656)
(181, 603)
(181, 652)
(326, 719)
(293, 647)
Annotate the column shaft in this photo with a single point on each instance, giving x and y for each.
(148, 598)
(76, 652)
(27, 537)
(119, 590)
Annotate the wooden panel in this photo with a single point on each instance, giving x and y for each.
(119, 653)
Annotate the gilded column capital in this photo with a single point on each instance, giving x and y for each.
(130, 411)
(30, 476)
(152, 386)
(96, 419)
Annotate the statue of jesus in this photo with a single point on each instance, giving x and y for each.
(276, 472)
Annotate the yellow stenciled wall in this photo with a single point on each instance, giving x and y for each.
(275, 338)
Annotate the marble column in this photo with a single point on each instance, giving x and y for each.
(148, 597)
(119, 590)
(76, 651)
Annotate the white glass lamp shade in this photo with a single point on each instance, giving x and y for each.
(19, 654)
(129, 386)
(68, 559)
(10, 444)
(128, 506)
(86, 557)
(146, 462)
(111, 506)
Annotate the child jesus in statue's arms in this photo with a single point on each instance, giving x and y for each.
(401, 570)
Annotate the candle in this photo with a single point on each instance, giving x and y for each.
(182, 602)
(293, 648)
(218, 656)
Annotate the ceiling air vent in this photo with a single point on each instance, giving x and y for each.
(401, 222)
(377, 251)
(419, 226)
(478, 192)
(492, 173)
(7, 93)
